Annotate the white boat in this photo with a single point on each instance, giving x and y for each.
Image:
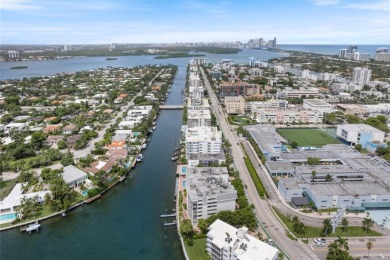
(143, 146)
(154, 127)
(30, 228)
(139, 157)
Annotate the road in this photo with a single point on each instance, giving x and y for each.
(262, 208)
(357, 247)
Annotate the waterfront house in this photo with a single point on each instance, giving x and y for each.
(73, 176)
(102, 166)
(115, 145)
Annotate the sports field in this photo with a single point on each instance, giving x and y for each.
(308, 136)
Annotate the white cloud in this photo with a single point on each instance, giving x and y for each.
(18, 5)
(326, 2)
(378, 6)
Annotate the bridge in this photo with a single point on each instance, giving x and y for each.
(171, 107)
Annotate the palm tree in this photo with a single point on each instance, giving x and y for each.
(367, 223)
(344, 223)
(313, 175)
(342, 243)
(328, 178)
(333, 249)
(369, 246)
(327, 226)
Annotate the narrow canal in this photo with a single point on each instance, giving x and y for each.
(125, 223)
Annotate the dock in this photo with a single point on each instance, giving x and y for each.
(170, 224)
(168, 215)
(92, 199)
(30, 228)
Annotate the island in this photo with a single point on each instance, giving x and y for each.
(178, 55)
(18, 67)
(111, 58)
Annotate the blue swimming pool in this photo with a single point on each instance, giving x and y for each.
(184, 184)
(184, 169)
(84, 193)
(8, 216)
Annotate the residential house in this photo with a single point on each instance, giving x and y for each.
(69, 129)
(73, 176)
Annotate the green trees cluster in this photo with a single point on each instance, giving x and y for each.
(298, 226)
(313, 160)
(338, 250)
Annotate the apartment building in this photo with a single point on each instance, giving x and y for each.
(203, 140)
(208, 192)
(235, 105)
(282, 116)
(225, 242)
(197, 118)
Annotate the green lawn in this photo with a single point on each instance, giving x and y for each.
(198, 250)
(239, 120)
(308, 136)
(353, 231)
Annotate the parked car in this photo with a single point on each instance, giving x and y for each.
(319, 244)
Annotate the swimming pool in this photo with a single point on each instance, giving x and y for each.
(8, 216)
(184, 184)
(184, 169)
(85, 193)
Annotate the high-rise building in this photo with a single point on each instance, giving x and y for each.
(13, 54)
(270, 44)
(252, 61)
(352, 49)
(261, 42)
(361, 76)
(342, 53)
(67, 47)
(305, 74)
(381, 50)
(113, 45)
(382, 56)
(274, 43)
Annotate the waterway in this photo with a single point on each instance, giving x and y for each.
(125, 223)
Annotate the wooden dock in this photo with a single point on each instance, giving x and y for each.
(168, 215)
(170, 224)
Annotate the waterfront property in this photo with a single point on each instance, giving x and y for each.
(225, 242)
(209, 192)
(73, 176)
(203, 140)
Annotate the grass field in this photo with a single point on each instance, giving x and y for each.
(308, 136)
(198, 250)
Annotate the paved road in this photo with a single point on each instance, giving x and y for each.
(262, 208)
(357, 247)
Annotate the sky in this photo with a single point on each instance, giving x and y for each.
(163, 21)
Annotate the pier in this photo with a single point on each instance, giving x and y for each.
(170, 224)
(171, 107)
(168, 215)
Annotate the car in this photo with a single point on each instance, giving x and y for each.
(323, 240)
(317, 240)
(319, 244)
(381, 256)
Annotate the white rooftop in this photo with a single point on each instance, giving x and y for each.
(71, 174)
(245, 246)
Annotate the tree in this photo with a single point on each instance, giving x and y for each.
(202, 225)
(37, 139)
(342, 243)
(327, 228)
(328, 178)
(352, 119)
(186, 229)
(294, 145)
(313, 175)
(344, 223)
(367, 224)
(382, 119)
(313, 160)
(369, 246)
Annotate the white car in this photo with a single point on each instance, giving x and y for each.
(320, 244)
(317, 240)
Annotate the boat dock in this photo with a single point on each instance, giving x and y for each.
(170, 224)
(30, 228)
(168, 215)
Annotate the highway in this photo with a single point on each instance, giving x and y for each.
(263, 212)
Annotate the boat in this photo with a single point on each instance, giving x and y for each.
(139, 157)
(63, 214)
(174, 158)
(143, 146)
(154, 127)
(30, 228)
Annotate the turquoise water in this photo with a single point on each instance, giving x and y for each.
(184, 184)
(184, 169)
(85, 193)
(7, 216)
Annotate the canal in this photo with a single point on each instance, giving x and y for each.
(125, 223)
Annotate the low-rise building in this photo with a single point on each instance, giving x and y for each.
(208, 192)
(73, 176)
(225, 242)
(54, 139)
(235, 105)
(15, 127)
(360, 134)
(282, 116)
(69, 129)
(317, 104)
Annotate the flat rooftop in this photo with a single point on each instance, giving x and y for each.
(360, 127)
(207, 156)
(303, 155)
(316, 102)
(328, 189)
(279, 166)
